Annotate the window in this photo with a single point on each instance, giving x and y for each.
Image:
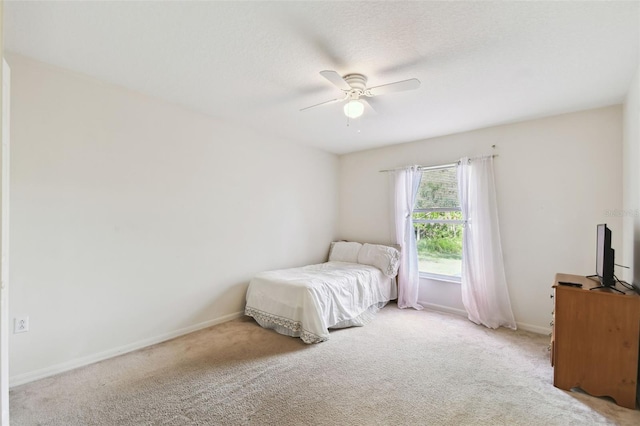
(438, 224)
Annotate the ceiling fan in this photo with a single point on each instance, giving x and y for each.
(354, 87)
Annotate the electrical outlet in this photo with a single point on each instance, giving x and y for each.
(20, 324)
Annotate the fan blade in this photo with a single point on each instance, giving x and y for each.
(398, 86)
(336, 79)
(322, 103)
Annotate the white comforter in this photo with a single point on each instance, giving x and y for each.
(305, 302)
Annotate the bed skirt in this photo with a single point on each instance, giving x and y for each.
(289, 327)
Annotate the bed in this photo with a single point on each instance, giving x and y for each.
(305, 302)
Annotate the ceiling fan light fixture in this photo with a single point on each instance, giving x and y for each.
(354, 86)
(353, 109)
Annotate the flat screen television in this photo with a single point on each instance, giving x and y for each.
(605, 257)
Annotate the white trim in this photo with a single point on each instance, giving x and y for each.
(4, 237)
(21, 379)
(442, 308)
(521, 325)
(440, 277)
(533, 328)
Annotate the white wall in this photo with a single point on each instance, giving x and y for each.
(556, 180)
(134, 219)
(631, 156)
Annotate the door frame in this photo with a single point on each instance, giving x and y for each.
(4, 246)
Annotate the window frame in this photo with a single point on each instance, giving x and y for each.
(462, 222)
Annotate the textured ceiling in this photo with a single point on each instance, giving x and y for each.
(256, 63)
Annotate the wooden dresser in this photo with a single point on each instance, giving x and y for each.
(595, 340)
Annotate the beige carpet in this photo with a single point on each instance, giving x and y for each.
(406, 367)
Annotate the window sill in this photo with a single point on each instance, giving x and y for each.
(443, 278)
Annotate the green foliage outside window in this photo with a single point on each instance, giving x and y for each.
(438, 189)
(439, 244)
(439, 239)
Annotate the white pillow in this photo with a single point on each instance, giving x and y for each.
(385, 258)
(344, 251)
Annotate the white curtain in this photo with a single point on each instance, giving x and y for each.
(484, 285)
(406, 186)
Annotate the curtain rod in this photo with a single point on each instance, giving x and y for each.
(441, 166)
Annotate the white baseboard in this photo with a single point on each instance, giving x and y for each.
(31, 376)
(442, 308)
(521, 325)
(533, 328)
